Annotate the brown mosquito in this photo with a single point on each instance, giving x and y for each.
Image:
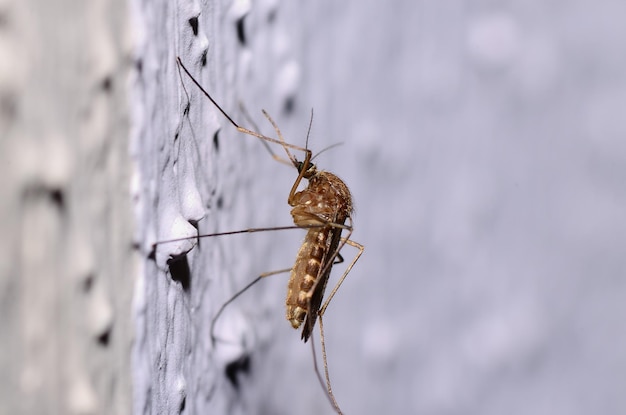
(323, 207)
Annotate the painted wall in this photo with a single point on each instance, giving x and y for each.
(197, 174)
(67, 263)
(483, 144)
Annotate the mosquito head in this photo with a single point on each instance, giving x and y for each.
(309, 168)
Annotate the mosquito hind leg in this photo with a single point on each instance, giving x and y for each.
(356, 245)
(328, 390)
(322, 310)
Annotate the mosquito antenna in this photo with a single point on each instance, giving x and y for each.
(308, 133)
(327, 148)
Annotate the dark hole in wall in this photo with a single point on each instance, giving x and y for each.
(152, 254)
(104, 338)
(241, 30)
(87, 284)
(193, 22)
(203, 58)
(8, 105)
(216, 141)
(271, 16)
(236, 368)
(4, 19)
(58, 198)
(107, 84)
(289, 105)
(179, 270)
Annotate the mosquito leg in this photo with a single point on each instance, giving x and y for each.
(322, 309)
(234, 297)
(327, 390)
(255, 127)
(250, 230)
(356, 245)
(282, 142)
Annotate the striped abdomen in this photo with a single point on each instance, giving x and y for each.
(305, 273)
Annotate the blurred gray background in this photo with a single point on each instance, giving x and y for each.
(485, 145)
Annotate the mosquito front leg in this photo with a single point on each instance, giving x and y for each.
(244, 130)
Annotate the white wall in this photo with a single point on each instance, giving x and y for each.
(185, 178)
(67, 264)
(483, 144)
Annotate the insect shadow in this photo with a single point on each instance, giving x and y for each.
(324, 207)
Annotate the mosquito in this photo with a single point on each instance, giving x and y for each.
(323, 207)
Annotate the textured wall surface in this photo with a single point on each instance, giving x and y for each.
(484, 149)
(484, 146)
(66, 252)
(197, 174)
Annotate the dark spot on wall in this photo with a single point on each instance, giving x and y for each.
(152, 253)
(193, 22)
(58, 198)
(87, 284)
(220, 202)
(271, 16)
(216, 141)
(5, 18)
(139, 65)
(179, 271)
(8, 105)
(289, 105)
(107, 84)
(236, 368)
(241, 30)
(203, 57)
(104, 338)
(183, 403)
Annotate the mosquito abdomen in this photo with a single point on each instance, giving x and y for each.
(304, 274)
